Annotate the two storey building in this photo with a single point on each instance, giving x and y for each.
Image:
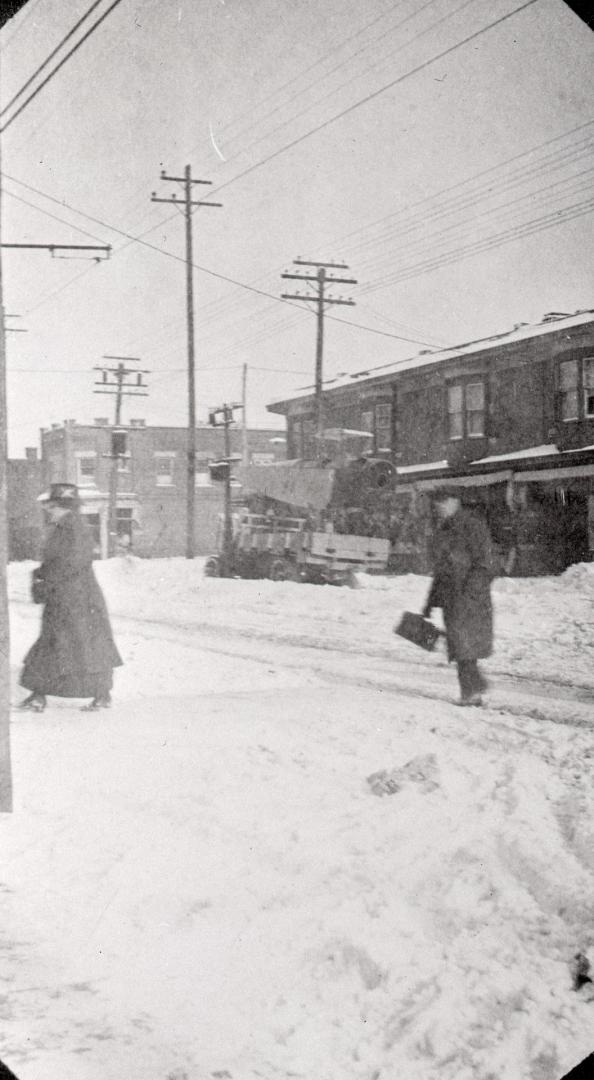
(510, 417)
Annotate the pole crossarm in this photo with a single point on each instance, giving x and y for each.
(314, 277)
(182, 202)
(135, 359)
(328, 266)
(316, 299)
(61, 247)
(183, 179)
(128, 393)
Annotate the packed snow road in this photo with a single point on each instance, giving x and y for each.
(203, 882)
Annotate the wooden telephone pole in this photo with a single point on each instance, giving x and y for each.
(5, 769)
(224, 417)
(118, 448)
(321, 280)
(186, 206)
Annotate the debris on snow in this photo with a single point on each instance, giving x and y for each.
(580, 971)
(422, 771)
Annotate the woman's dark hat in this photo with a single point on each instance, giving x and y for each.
(65, 495)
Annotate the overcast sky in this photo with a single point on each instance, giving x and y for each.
(504, 121)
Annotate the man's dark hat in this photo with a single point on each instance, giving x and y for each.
(65, 495)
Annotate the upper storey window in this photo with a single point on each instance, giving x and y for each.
(466, 410)
(576, 388)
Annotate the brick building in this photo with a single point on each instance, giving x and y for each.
(509, 417)
(24, 484)
(151, 482)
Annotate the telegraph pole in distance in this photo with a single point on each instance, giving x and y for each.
(321, 280)
(245, 453)
(185, 206)
(224, 417)
(118, 448)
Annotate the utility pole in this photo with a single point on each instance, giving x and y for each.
(245, 453)
(185, 206)
(118, 447)
(224, 417)
(321, 280)
(5, 767)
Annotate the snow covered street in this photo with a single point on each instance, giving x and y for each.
(202, 882)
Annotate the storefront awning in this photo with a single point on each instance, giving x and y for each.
(463, 481)
(568, 472)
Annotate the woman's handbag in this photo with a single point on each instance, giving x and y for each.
(419, 630)
(38, 588)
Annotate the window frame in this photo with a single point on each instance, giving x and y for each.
(464, 385)
(383, 427)
(582, 361)
(82, 479)
(165, 479)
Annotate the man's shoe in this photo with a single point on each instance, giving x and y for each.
(472, 699)
(97, 703)
(36, 702)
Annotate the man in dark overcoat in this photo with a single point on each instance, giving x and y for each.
(461, 587)
(75, 653)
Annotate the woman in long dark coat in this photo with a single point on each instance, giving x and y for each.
(75, 653)
(461, 587)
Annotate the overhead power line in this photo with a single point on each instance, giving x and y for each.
(49, 58)
(330, 93)
(64, 59)
(31, 6)
(321, 60)
(197, 266)
(530, 228)
(77, 228)
(374, 94)
(429, 240)
(372, 67)
(403, 223)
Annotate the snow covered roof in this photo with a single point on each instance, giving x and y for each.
(427, 466)
(533, 451)
(521, 332)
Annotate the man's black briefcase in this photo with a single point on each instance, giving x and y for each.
(419, 630)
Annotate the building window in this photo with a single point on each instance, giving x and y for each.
(466, 410)
(455, 415)
(475, 409)
(85, 469)
(164, 468)
(588, 364)
(383, 426)
(568, 389)
(367, 423)
(576, 388)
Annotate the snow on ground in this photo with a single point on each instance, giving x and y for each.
(543, 624)
(202, 882)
